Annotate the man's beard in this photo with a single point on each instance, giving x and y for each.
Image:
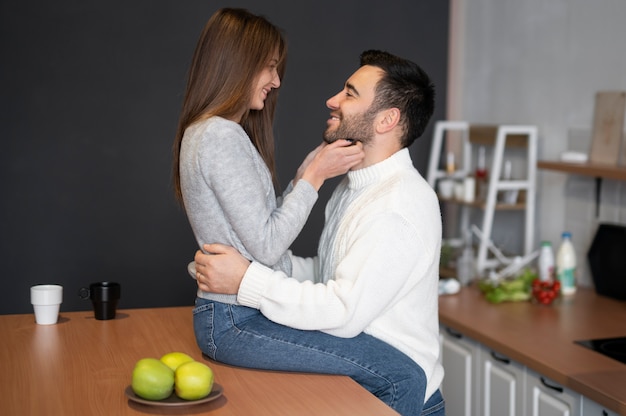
(356, 127)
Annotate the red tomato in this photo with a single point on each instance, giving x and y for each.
(545, 291)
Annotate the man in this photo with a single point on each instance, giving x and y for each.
(378, 258)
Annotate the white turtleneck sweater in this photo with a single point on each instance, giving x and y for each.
(377, 268)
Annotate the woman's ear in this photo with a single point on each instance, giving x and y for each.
(387, 120)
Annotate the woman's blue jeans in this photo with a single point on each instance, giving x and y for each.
(243, 337)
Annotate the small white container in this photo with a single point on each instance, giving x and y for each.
(459, 191)
(46, 301)
(446, 188)
(469, 189)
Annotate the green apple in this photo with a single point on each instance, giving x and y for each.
(152, 379)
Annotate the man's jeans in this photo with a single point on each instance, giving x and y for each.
(243, 337)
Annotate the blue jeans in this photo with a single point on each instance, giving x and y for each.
(243, 337)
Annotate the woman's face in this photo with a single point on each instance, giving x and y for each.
(266, 80)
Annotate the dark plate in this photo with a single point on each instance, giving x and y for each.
(174, 400)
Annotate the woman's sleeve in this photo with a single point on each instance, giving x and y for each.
(242, 184)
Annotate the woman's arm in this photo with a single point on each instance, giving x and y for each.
(243, 188)
(232, 201)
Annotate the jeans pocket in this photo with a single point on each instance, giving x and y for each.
(203, 326)
(435, 406)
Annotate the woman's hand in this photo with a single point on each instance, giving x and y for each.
(220, 271)
(329, 160)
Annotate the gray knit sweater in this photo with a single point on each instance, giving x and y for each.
(229, 196)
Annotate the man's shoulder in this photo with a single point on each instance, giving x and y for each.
(410, 182)
(404, 193)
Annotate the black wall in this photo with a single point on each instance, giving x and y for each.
(89, 99)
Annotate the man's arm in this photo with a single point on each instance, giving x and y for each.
(386, 262)
(383, 264)
(221, 270)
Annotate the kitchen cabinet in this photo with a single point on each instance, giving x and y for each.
(543, 340)
(461, 136)
(460, 357)
(544, 397)
(503, 384)
(480, 381)
(591, 408)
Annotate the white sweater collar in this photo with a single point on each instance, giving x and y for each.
(366, 176)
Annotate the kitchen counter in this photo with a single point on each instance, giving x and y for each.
(82, 366)
(542, 338)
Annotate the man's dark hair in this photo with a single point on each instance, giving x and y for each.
(405, 86)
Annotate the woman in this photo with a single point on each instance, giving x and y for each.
(224, 175)
(224, 149)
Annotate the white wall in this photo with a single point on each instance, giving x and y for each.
(541, 62)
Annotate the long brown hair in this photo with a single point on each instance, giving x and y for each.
(233, 48)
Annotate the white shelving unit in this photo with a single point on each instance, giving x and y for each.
(505, 136)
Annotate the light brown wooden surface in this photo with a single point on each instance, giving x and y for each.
(587, 169)
(81, 366)
(485, 134)
(608, 127)
(542, 338)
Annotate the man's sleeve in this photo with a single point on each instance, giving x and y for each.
(369, 278)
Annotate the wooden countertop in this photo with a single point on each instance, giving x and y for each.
(542, 338)
(81, 366)
(596, 170)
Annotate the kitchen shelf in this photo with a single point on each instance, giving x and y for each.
(499, 137)
(482, 204)
(587, 169)
(596, 170)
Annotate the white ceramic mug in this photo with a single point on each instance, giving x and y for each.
(446, 188)
(46, 301)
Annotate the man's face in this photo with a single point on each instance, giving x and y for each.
(352, 116)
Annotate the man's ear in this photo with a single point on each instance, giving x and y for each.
(387, 120)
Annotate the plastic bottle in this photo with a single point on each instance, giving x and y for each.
(546, 262)
(465, 262)
(566, 265)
